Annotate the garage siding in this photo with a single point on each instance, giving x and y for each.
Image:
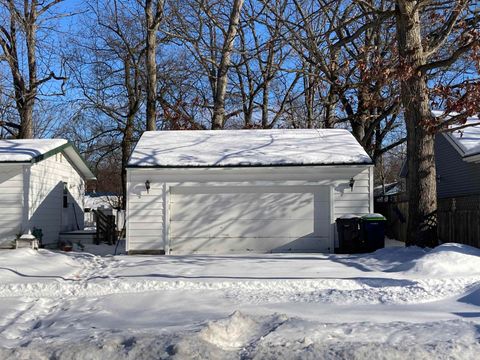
(148, 213)
(11, 203)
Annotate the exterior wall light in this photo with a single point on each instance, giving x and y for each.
(351, 183)
(147, 186)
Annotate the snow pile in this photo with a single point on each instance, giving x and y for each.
(449, 259)
(237, 330)
(393, 259)
(27, 266)
(247, 148)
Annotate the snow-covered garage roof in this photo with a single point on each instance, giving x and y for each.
(34, 150)
(219, 148)
(465, 140)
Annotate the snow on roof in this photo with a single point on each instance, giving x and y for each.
(33, 150)
(387, 189)
(94, 201)
(219, 148)
(26, 150)
(467, 139)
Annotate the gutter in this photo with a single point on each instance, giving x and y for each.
(241, 166)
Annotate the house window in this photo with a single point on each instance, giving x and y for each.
(65, 195)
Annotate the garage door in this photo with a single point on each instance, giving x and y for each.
(224, 219)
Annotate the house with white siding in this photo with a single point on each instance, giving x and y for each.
(237, 191)
(42, 185)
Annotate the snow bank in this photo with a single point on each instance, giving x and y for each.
(269, 337)
(27, 265)
(391, 259)
(449, 259)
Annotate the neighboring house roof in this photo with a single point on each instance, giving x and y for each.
(24, 151)
(390, 189)
(98, 200)
(275, 147)
(465, 140)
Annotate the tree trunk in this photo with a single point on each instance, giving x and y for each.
(358, 128)
(26, 121)
(309, 100)
(330, 107)
(218, 119)
(152, 23)
(26, 115)
(133, 91)
(126, 151)
(421, 179)
(265, 104)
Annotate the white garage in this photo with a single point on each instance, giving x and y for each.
(237, 191)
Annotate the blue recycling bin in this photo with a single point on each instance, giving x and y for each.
(373, 231)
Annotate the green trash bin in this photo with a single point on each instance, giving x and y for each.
(373, 231)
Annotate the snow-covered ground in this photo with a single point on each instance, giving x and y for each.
(396, 303)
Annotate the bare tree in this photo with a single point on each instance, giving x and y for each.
(208, 29)
(425, 46)
(218, 119)
(345, 50)
(154, 11)
(264, 68)
(108, 71)
(22, 25)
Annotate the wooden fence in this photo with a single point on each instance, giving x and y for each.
(395, 209)
(458, 219)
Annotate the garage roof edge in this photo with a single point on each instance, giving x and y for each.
(243, 165)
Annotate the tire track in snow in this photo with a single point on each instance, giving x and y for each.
(342, 291)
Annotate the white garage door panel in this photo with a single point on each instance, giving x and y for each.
(249, 218)
(242, 206)
(242, 228)
(224, 245)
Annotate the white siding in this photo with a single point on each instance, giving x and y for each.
(46, 209)
(356, 201)
(148, 214)
(11, 202)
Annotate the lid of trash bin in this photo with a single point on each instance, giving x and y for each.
(373, 216)
(349, 216)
